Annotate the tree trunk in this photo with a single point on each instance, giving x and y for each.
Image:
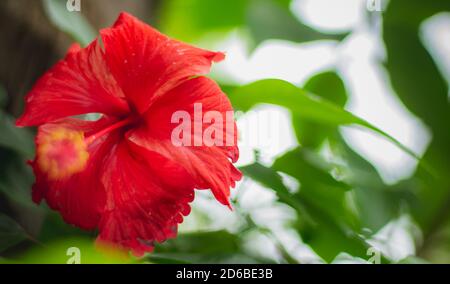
(31, 44)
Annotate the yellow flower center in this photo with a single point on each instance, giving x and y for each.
(62, 153)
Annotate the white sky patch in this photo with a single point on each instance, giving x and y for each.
(262, 245)
(397, 239)
(329, 15)
(275, 59)
(436, 37)
(260, 203)
(268, 129)
(219, 216)
(372, 100)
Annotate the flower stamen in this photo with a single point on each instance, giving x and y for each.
(62, 153)
(91, 138)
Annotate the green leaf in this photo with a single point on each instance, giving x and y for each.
(329, 240)
(14, 138)
(421, 87)
(269, 19)
(11, 233)
(269, 178)
(55, 228)
(16, 146)
(317, 186)
(376, 203)
(202, 247)
(16, 178)
(414, 75)
(72, 23)
(265, 176)
(326, 230)
(299, 102)
(329, 86)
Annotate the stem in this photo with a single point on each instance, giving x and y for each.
(90, 139)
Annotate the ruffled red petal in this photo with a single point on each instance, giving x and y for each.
(147, 196)
(209, 165)
(79, 84)
(146, 63)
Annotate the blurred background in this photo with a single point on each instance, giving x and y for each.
(343, 113)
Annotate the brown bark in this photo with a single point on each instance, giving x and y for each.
(31, 44)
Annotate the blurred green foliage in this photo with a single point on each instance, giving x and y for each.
(341, 202)
(11, 233)
(423, 90)
(263, 19)
(204, 247)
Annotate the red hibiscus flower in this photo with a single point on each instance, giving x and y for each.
(121, 174)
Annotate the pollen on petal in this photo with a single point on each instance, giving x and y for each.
(62, 153)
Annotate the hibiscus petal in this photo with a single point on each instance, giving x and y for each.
(147, 63)
(147, 196)
(79, 198)
(79, 84)
(209, 165)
